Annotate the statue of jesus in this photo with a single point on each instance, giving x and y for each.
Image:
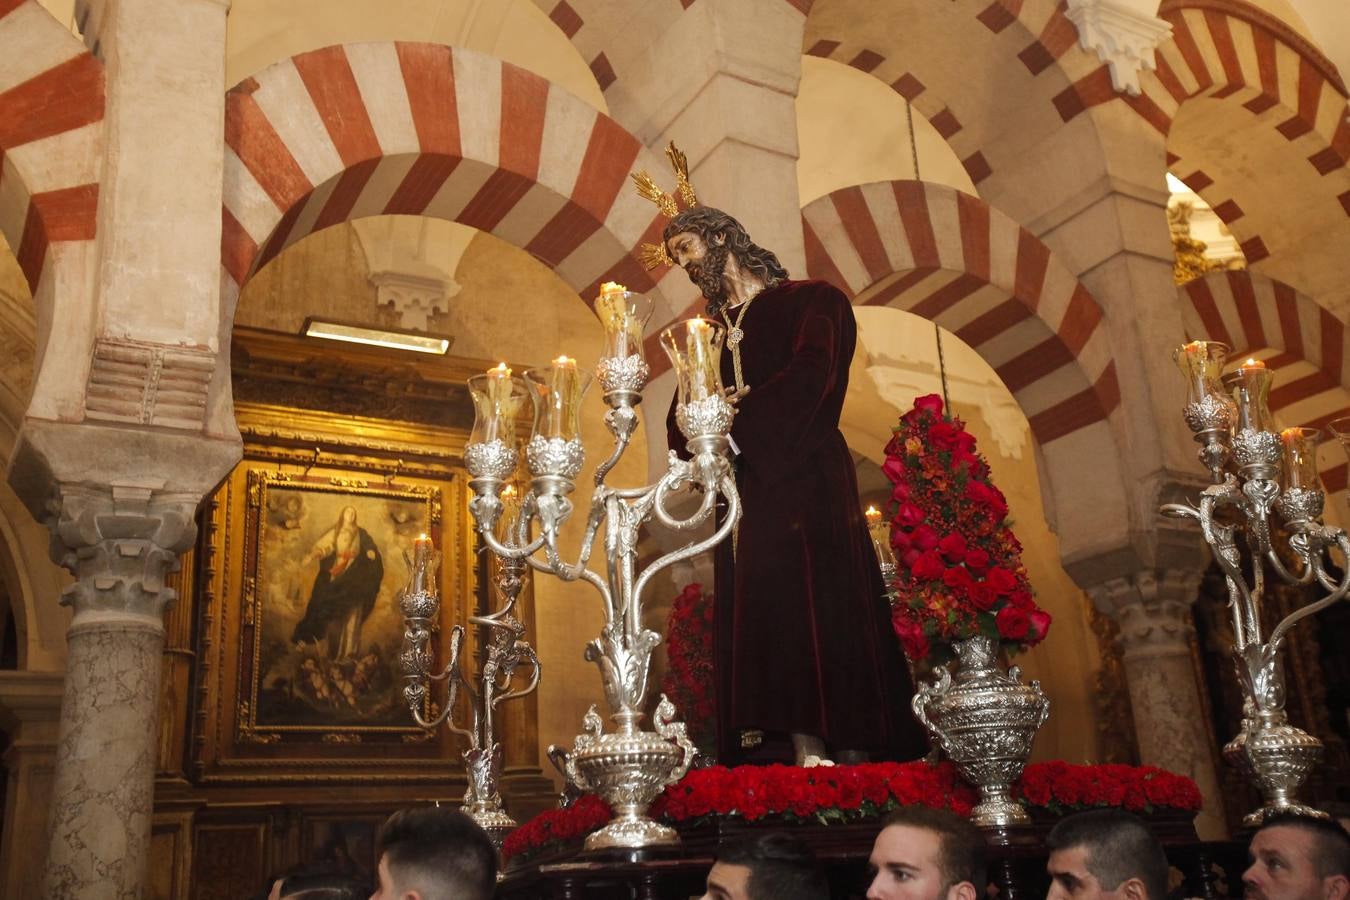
(803, 646)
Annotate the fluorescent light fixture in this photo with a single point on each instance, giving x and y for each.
(376, 337)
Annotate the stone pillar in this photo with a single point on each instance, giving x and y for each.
(30, 709)
(1153, 611)
(119, 543)
(727, 74)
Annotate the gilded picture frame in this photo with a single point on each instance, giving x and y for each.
(324, 568)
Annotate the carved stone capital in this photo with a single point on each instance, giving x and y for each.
(1152, 608)
(119, 542)
(1123, 34)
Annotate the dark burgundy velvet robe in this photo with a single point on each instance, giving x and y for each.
(803, 641)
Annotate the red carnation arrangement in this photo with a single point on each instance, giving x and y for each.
(832, 795)
(959, 569)
(688, 681)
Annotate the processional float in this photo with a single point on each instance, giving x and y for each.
(628, 766)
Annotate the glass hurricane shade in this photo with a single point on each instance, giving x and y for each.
(623, 315)
(695, 350)
(1249, 386)
(498, 399)
(1340, 429)
(557, 392)
(1300, 458)
(1201, 364)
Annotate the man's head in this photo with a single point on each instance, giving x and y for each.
(322, 887)
(702, 240)
(926, 854)
(434, 853)
(1298, 858)
(771, 866)
(1105, 854)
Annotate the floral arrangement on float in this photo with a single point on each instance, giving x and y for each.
(688, 680)
(794, 796)
(960, 589)
(959, 571)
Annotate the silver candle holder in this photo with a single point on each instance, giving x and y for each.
(506, 653)
(1257, 474)
(629, 765)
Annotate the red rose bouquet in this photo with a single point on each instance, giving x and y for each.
(959, 569)
(688, 681)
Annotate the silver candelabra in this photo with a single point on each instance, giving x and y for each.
(629, 766)
(1259, 476)
(506, 652)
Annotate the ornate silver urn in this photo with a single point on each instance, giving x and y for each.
(984, 720)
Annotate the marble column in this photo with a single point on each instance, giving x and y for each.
(1153, 611)
(30, 711)
(119, 543)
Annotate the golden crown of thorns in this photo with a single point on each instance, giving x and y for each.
(653, 255)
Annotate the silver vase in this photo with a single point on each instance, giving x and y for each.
(984, 720)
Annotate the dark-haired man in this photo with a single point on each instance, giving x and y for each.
(1105, 854)
(772, 866)
(926, 854)
(1298, 858)
(803, 645)
(434, 853)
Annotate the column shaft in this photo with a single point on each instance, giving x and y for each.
(105, 760)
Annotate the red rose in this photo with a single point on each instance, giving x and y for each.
(982, 597)
(953, 546)
(925, 537)
(929, 403)
(988, 497)
(1040, 622)
(958, 579)
(943, 435)
(1022, 599)
(977, 560)
(1012, 623)
(965, 442)
(928, 566)
(1001, 580)
(901, 492)
(894, 466)
(900, 539)
(910, 557)
(909, 515)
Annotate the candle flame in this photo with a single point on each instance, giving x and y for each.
(500, 369)
(424, 539)
(509, 491)
(872, 513)
(612, 287)
(1253, 363)
(564, 360)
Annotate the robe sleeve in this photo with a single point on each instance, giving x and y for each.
(785, 417)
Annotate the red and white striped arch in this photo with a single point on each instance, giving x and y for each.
(422, 129)
(51, 127)
(953, 259)
(1307, 345)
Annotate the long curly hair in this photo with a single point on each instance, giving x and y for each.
(707, 222)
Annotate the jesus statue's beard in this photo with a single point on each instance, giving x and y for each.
(707, 277)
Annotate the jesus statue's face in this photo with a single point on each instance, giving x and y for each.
(705, 265)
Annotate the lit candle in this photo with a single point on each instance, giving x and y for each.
(510, 513)
(421, 561)
(623, 316)
(704, 379)
(1250, 386)
(1300, 458)
(880, 533)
